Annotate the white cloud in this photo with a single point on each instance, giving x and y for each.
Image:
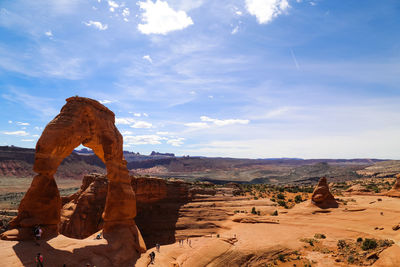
(105, 101)
(126, 132)
(97, 24)
(18, 133)
(150, 139)
(142, 125)
(49, 34)
(125, 121)
(38, 128)
(176, 141)
(266, 10)
(239, 13)
(313, 3)
(148, 58)
(23, 123)
(235, 30)
(35, 135)
(160, 18)
(9, 121)
(163, 133)
(200, 125)
(126, 12)
(137, 114)
(113, 5)
(145, 114)
(210, 96)
(27, 140)
(223, 122)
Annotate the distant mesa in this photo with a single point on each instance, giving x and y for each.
(322, 197)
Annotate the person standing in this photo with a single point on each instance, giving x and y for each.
(39, 260)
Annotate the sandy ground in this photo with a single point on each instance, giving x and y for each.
(239, 243)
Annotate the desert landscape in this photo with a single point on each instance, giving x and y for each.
(294, 213)
(199, 133)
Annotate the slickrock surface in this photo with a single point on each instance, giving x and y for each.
(322, 197)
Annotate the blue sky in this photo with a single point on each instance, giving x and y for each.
(245, 78)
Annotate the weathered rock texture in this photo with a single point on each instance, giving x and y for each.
(158, 203)
(395, 191)
(322, 197)
(81, 121)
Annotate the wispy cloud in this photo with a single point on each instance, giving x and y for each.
(141, 125)
(150, 139)
(17, 133)
(224, 122)
(176, 141)
(148, 58)
(96, 24)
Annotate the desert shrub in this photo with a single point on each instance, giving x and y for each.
(298, 199)
(273, 199)
(290, 200)
(255, 198)
(319, 236)
(281, 257)
(310, 241)
(253, 210)
(369, 244)
(281, 189)
(280, 196)
(359, 239)
(258, 213)
(282, 203)
(350, 259)
(275, 213)
(341, 244)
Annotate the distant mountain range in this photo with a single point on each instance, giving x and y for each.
(18, 162)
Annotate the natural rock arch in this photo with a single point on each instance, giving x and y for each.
(81, 121)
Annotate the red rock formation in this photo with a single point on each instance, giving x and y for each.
(81, 121)
(395, 191)
(322, 197)
(81, 213)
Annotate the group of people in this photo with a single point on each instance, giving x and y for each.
(188, 241)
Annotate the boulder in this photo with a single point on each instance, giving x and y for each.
(322, 196)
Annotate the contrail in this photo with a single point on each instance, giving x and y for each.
(294, 59)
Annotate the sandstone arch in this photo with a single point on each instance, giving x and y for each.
(81, 121)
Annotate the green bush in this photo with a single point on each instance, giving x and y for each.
(253, 210)
(350, 259)
(298, 199)
(280, 196)
(275, 213)
(359, 239)
(282, 203)
(319, 236)
(281, 257)
(369, 244)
